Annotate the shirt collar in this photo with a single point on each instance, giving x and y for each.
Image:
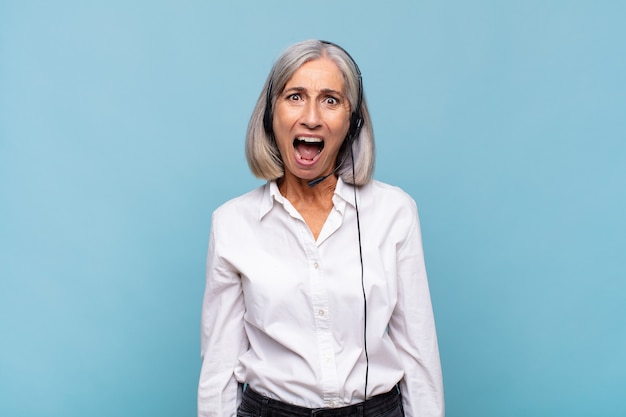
(344, 191)
(271, 194)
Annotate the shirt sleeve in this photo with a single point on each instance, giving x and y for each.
(223, 337)
(412, 328)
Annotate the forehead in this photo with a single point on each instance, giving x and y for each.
(322, 73)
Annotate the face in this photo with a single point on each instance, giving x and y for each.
(311, 120)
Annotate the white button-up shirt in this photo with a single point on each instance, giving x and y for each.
(284, 312)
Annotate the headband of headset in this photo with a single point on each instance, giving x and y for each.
(356, 118)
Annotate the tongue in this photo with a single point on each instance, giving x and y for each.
(308, 150)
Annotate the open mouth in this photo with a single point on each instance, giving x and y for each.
(308, 148)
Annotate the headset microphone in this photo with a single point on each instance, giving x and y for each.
(316, 181)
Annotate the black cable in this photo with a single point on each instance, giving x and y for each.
(358, 226)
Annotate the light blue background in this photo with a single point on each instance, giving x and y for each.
(122, 127)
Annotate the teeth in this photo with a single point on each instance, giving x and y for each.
(309, 140)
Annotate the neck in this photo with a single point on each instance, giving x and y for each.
(294, 188)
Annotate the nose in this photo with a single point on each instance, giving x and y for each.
(311, 115)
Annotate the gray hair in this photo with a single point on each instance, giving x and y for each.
(261, 151)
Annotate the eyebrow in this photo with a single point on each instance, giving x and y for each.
(331, 91)
(323, 91)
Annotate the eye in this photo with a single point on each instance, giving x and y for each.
(294, 97)
(332, 101)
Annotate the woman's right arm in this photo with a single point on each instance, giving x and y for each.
(223, 337)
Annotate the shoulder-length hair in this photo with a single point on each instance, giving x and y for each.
(261, 150)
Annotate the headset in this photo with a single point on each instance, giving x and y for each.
(356, 117)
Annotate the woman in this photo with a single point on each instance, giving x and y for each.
(317, 300)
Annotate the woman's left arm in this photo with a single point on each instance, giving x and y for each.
(412, 328)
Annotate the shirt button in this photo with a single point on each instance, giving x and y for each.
(332, 404)
(316, 265)
(320, 312)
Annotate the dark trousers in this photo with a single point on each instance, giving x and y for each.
(254, 404)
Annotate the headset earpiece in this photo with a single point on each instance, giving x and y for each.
(356, 122)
